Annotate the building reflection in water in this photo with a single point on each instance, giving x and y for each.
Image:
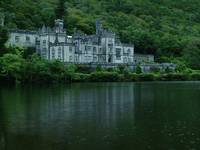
(61, 115)
(100, 116)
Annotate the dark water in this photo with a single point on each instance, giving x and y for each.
(101, 116)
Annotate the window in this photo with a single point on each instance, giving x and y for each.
(110, 40)
(53, 53)
(16, 39)
(90, 58)
(37, 41)
(44, 41)
(110, 45)
(125, 53)
(44, 52)
(27, 39)
(125, 59)
(87, 49)
(110, 48)
(59, 53)
(76, 59)
(70, 58)
(70, 49)
(129, 52)
(118, 53)
(94, 50)
(95, 59)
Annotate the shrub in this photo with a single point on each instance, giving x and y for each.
(84, 69)
(138, 69)
(168, 70)
(110, 69)
(79, 77)
(71, 69)
(154, 69)
(133, 77)
(121, 68)
(12, 66)
(98, 68)
(37, 69)
(174, 77)
(126, 74)
(195, 76)
(146, 77)
(105, 77)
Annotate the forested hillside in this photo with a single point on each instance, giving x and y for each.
(167, 28)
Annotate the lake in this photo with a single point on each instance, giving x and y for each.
(101, 116)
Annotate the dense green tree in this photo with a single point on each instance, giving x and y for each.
(61, 9)
(3, 39)
(192, 54)
(11, 66)
(138, 69)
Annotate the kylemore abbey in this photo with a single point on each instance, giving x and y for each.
(53, 43)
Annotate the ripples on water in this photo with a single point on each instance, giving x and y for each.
(101, 116)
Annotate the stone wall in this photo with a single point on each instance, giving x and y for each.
(146, 68)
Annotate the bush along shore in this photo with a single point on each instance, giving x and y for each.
(19, 66)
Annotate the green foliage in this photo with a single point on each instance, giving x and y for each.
(11, 66)
(71, 69)
(3, 39)
(175, 77)
(28, 52)
(146, 77)
(84, 69)
(98, 68)
(195, 76)
(105, 77)
(155, 70)
(80, 77)
(17, 50)
(61, 9)
(192, 54)
(164, 28)
(169, 29)
(168, 70)
(37, 69)
(122, 68)
(138, 69)
(180, 66)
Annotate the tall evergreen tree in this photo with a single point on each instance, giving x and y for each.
(3, 39)
(61, 9)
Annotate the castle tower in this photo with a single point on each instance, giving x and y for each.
(59, 26)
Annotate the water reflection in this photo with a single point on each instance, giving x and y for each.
(100, 116)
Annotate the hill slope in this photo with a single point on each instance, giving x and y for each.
(166, 28)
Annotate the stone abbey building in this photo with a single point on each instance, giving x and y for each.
(54, 43)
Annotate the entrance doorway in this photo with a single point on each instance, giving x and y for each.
(110, 59)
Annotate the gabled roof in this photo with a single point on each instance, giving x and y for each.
(22, 31)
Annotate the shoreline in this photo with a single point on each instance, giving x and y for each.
(103, 77)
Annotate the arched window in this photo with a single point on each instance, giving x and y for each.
(59, 53)
(53, 53)
(129, 51)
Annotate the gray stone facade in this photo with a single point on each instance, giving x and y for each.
(54, 43)
(141, 58)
